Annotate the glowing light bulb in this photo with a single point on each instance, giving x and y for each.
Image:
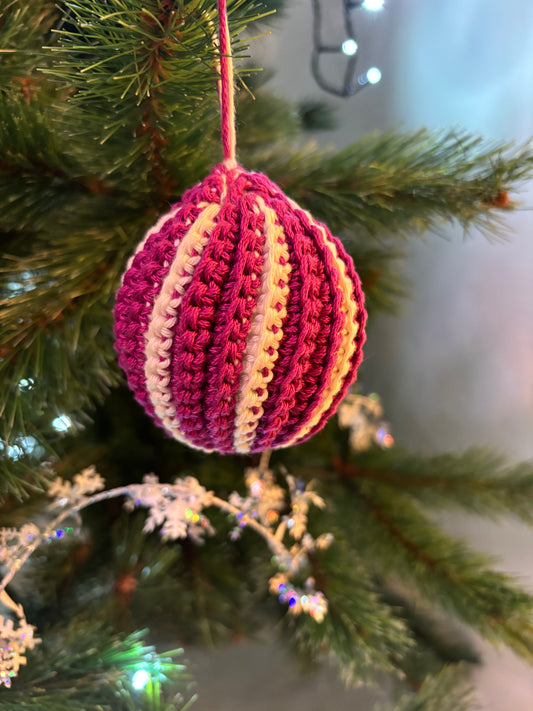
(373, 75)
(140, 679)
(373, 4)
(349, 47)
(62, 423)
(26, 384)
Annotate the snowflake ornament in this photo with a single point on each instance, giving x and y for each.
(277, 513)
(14, 642)
(363, 416)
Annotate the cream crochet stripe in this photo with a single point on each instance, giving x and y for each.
(266, 332)
(158, 337)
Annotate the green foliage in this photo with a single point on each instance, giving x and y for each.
(23, 28)
(401, 183)
(478, 480)
(397, 536)
(83, 666)
(444, 692)
(361, 634)
(316, 115)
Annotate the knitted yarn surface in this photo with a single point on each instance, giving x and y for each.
(240, 319)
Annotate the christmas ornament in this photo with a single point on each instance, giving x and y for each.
(240, 319)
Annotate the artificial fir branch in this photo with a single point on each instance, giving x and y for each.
(446, 691)
(361, 634)
(23, 28)
(404, 182)
(83, 666)
(81, 180)
(139, 47)
(402, 540)
(478, 480)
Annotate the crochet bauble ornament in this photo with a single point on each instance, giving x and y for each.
(240, 319)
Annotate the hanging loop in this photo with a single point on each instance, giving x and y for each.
(226, 89)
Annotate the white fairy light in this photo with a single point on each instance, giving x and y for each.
(20, 447)
(373, 5)
(62, 423)
(349, 47)
(140, 679)
(373, 75)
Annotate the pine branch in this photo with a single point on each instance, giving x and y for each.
(380, 270)
(399, 539)
(23, 27)
(405, 183)
(438, 639)
(57, 349)
(445, 692)
(478, 481)
(360, 633)
(140, 52)
(84, 667)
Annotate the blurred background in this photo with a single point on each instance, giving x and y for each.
(456, 368)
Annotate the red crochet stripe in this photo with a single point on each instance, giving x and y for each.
(234, 314)
(142, 283)
(286, 400)
(357, 357)
(193, 334)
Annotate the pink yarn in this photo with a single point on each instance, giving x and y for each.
(199, 388)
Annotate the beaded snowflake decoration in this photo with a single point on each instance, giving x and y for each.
(177, 511)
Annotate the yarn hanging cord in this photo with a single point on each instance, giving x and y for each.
(226, 90)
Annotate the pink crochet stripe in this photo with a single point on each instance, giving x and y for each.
(193, 337)
(166, 307)
(266, 332)
(235, 312)
(326, 341)
(134, 299)
(328, 348)
(357, 357)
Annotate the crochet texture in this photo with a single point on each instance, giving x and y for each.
(240, 319)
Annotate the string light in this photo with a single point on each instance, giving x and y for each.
(22, 446)
(348, 48)
(373, 75)
(373, 5)
(62, 423)
(140, 679)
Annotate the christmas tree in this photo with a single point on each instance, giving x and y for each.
(108, 114)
